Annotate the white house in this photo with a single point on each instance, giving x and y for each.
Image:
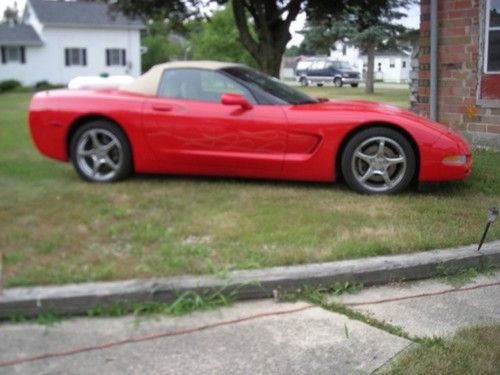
(390, 66)
(58, 40)
(344, 52)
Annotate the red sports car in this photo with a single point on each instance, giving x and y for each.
(224, 119)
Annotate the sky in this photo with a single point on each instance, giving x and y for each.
(411, 21)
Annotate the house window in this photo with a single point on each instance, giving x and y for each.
(75, 56)
(15, 54)
(392, 63)
(404, 64)
(379, 67)
(492, 45)
(116, 56)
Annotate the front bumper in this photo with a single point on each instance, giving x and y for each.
(435, 168)
(351, 80)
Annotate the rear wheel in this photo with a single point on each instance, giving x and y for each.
(378, 161)
(100, 152)
(354, 85)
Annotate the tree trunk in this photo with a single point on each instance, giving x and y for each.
(370, 70)
(268, 44)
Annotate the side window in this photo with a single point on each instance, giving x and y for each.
(314, 66)
(198, 84)
(214, 84)
(321, 65)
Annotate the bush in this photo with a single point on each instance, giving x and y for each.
(45, 85)
(9, 85)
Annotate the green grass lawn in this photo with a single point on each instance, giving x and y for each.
(399, 97)
(54, 228)
(473, 350)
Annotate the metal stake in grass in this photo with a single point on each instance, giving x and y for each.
(490, 218)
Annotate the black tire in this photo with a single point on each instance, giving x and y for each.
(354, 85)
(100, 152)
(337, 82)
(303, 81)
(378, 160)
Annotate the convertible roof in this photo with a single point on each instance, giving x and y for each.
(147, 84)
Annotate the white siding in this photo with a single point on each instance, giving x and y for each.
(48, 61)
(352, 55)
(397, 73)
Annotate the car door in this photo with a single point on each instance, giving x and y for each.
(189, 129)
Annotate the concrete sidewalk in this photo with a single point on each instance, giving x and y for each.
(254, 337)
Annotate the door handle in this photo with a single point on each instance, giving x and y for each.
(162, 107)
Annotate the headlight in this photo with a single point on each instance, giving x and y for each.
(455, 159)
(345, 75)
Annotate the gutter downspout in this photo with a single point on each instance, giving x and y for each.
(434, 61)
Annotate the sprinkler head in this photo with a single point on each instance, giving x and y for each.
(492, 214)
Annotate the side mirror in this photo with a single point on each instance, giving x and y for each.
(235, 99)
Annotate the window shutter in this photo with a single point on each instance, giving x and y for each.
(124, 57)
(23, 55)
(84, 56)
(4, 56)
(108, 59)
(66, 54)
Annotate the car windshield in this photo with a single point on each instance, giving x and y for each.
(267, 84)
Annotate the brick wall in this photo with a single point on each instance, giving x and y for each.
(460, 41)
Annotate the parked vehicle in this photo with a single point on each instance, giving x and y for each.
(325, 71)
(225, 119)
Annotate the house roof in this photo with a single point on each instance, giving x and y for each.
(84, 14)
(18, 34)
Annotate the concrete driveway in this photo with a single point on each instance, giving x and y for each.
(257, 337)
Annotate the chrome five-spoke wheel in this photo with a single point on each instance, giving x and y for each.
(100, 152)
(378, 160)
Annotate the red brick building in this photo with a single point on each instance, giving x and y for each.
(468, 67)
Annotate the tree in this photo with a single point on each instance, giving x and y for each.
(373, 25)
(11, 15)
(270, 19)
(162, 44)
(368, 25)
(216, 38)
(320, 35)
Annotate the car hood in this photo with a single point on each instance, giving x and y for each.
(375, 110)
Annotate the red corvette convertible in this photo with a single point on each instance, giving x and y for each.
(224, 119)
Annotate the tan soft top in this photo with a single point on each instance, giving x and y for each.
(147, 84)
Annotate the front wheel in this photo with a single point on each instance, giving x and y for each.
(378, 161)
(303, 81)
(337, 82)
(100, 152)
(354, 85)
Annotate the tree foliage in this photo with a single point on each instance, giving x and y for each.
(217, 39)
(368, 25)
(161, 45)
(263, 25)
(270, 20)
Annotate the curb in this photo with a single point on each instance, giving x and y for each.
(77, 299)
